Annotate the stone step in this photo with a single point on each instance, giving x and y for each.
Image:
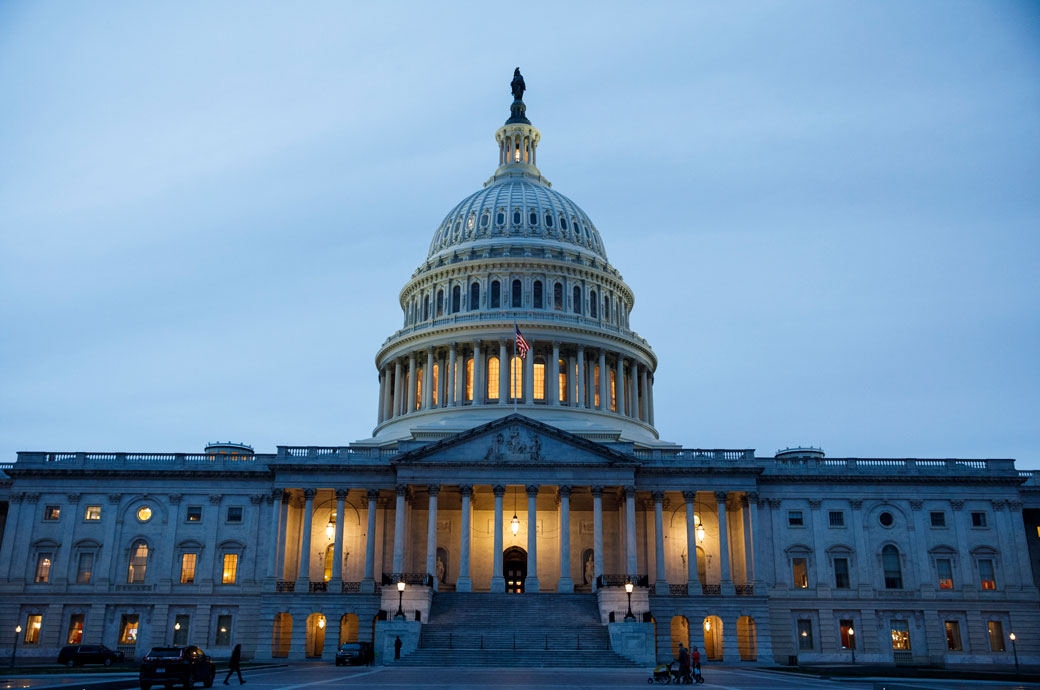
(509, 658)
(445, 637)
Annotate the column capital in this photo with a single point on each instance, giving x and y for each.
(597, 491)
(74, 498)
(565, 490)
(815, 503)
(856, 503)
(254, 499)
(1014, 506)
(32, 497)
(690, 496)
(916, 503)
(751, 496)
(581, 349)
(721, 496)
(341, 493)
(532, 490)
(556, 344)
(451, 346)
(372, 494)
(630, 491)
(307, 494)
(466, 489)
(433, 489)
(957, 505)
(217, 498)
(401, 489)
(277, 494)
(499, 490)
(658, 496)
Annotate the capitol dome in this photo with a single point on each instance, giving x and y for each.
(516, 256)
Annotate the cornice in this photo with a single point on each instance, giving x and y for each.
(135, 472)
(886, 479)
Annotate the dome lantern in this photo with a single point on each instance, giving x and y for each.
(517, 140)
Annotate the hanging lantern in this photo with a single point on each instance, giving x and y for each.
(514, 525)
(330, 529)
(707, 625)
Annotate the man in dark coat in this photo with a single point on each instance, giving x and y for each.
(235, 665)
(684, 662)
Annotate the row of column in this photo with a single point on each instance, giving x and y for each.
(401, 391)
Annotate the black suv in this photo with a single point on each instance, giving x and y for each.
(79, 654)
(182, 666)
(354, 653)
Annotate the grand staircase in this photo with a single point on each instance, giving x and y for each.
(484, 629)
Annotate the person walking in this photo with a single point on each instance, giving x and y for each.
(235, 665)
(695, 662)
(684, 663)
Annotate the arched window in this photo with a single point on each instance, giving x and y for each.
(138, 562)
(562, 364)
(606, 308)
(890, 564)
(474, 296)
(537, 294)
(456, 299)
(469, 379)
(548, 220)
(426, 308)
(516, 378)
(539, 378)
(577, 299)
(516, 217)
(533, 217)
(496, 291)
(558, 296)
(440, 303)
(593, 304)
(518, 292)
(434, 383)
(492, 378)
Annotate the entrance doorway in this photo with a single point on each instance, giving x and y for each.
(514, 569)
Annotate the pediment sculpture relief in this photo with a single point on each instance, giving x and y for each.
(520, 446)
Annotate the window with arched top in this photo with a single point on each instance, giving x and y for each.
(138, 562)
(474, 296)
(518, 293)
(440, 303)
(456, 299)
(577, 299)
(426, 308)
(891, 566)
(558, 296)
(537, 293)
(516, 217)
(562, 367)
(548, 220)
(516, 378)
(418, 388)
(330, 557)
(496, 295)
(469, 379)
(539, 378)
(492, 378)
(606, 308)
(593, 304)
(532, 218)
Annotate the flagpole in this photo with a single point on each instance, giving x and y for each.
(512, 364)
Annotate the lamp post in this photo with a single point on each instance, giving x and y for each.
(1014, 648)
(14, 648)
(852, 643)
(400, 600)
(628, 590)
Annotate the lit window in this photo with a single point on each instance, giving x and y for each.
(900, 636)
(841, 573)
(138, 562)
(51, 513)
(223, 636)
(847, 633)
(613, 391)
(996, 636)
(953, 636)
(805, 635)
(144, 513)
(595, 386)
(330, 551)
(469, 380)
(234, 514)
(194, 513)
(32, 628)
(563, 380)
(893, 569)
(836, 518)
(188, 561)
(75, 633)
(978, 519)
(938, 518)
(945, 570)
(85, 568)
(43, 567)
(92, 513)
(492, 381)
(516, 379)
(988, 579)
(230, 572)
(418, 388)
(800, 573)
(128, 629)
(435, 384)
(539, 379)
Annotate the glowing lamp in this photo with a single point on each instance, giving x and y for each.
(1012, 636)
(330, 528)
(707, 625)
(629, 587)
(321, 624)
(176, 626)
(18, 629)
(514, 525)
(400, 586)
(700, 532)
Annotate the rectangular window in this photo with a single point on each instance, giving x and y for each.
(188, 568)
(84, 568)
(516, 378)
(978, 519)
(234, 514)
(43, 566)
(805, 636)
(194, 513)
(837, 518)
(841, 573)
(180, 629)
(492, 381)
(128, 629)
(469, 380)
(596, 386)
(996, 636)
(795, 518)
(938, 518)
(800, 573)
(75, 635)
(986, 576)
(900, 636)
(435, 384)
(953, 636)
(223, 636)
(848, 634)
(93, 513)
(539, 381)
(613, 391)
(52, 513)
(32, 628)
(230, 572)
(945, 569)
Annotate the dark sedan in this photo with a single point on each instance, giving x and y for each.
(80, 654)
(183, 666)
(351, 653)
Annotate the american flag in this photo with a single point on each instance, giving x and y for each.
(522, 346)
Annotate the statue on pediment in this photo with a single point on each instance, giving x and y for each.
(536, 449)
(516, 444)
(494, 451)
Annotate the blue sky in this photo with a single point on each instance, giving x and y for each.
(829, 211)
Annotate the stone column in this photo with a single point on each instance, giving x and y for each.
(572, 383)
(388, 399)
(303, 576)
(498, 583)
(619, 384)
(504, 374)
(283, 535)
(819, 549)
(727, 579)
(399, 532)
(369, 583)
(661, 581)
(398, 388)
(631, 569)
(411, 383)
(531, 583)
(382, 397)
(633, 391)
(860, 568)
(479, 367)
(604, 381)
(431, 534)
(579, 382)
(650, 399)
(749, 506)
(554, 381)
(643, 397)
(452, 398)
(597, 535)
(427, 384)
(276, 535)
(692, 581)
(464, 583)
(336, 581)
(566, 584)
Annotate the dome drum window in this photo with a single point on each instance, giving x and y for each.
(533, 218)
(500, 218)
(496, 295)
(474, 296)
(548, 220)
(563, 222)
(518, 293)
(485, 219)
(516, 217)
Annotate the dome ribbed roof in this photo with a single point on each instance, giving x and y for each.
(545, 216)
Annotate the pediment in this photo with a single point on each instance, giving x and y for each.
(515, 440)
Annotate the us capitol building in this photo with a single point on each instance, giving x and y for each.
(504, 504)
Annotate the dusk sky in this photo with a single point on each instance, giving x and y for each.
(829, 211)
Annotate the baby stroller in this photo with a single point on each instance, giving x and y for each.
(663, 674)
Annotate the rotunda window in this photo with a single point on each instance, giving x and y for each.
(440, 303)
(516, 217)
(456, 299)
(426, 308)
(558, 296)
(500, 218)
(516, 378)
(492, 378)
(548, 220)
(474, 296)
(485, 219)
(563, 222)
(577, 299)
(562, 375)
(144, 513)
(593, 308)
(886, 519)
(496, 295)
(533, 218)
(606, 308)
(518, 293)
(470, 222)
(537, 294)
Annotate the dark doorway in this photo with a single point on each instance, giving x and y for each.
(514, 569)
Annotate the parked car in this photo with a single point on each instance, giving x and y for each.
(176, 665)
(351, 653)
(80, 654)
